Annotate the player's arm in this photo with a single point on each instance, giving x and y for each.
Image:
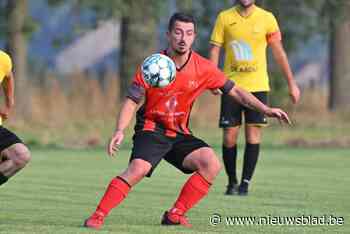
(124, 118)
(217, 40)
(135, 94)
(217, 79)
(247, 99)
(214, 55)
(126, 114)
(9, 90)
(281, 58)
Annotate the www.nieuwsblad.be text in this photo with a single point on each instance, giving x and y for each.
(302, 220)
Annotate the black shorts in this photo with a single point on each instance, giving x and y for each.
(231, 112)
(7, 138)
(153, 147)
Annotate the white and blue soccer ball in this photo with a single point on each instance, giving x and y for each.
(158, 70)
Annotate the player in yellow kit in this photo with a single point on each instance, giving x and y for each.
(244, 32)
(14, 155)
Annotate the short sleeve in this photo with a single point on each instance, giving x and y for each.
(5, 63)
(137, 88)
(217, 35)
(216, 79)
(138, 79)
(273, 32)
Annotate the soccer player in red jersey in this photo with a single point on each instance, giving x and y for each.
(162, 132)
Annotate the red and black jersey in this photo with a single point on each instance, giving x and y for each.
(168, 109)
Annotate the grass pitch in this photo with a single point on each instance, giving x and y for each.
(60, 188)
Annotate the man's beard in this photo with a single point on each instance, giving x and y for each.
(246, 6)
(178, 52)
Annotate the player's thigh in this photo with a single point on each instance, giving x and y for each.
(17, 152)
(150, 147)
(186, 153)
(7, 138)
(137, 169)
(230, 112)
(202, 159)
(11, 145)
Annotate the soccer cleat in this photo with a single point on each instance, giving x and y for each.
(243, 189)
(95, 221)
(175, 217)
(231, 189)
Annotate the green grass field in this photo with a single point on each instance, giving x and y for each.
(60, 188)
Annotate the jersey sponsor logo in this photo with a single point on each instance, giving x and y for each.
(171, 104)
(244, 57)
(169, 114)
(241, 50)
(244, 67)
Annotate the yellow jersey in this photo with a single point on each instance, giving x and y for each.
(5, 65)
(245, 40)
(5, 68)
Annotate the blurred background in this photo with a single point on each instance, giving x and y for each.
(73, 61)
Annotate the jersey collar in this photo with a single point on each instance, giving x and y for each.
(238, 8)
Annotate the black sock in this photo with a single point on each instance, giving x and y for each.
(3, 179)
(229, 156)
(251, 154)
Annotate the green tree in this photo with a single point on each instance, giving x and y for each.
(139, 24)
(329, 18)
(339, 21)
(138, 37)
(16, 27)
(17, 46)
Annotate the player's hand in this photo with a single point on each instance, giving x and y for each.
(294, 93)
(278, 114)
(115, 142)
(4, 113)
(216, 91)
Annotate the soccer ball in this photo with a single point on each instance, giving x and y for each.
(158, 70)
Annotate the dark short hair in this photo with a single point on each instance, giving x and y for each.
(183, 17)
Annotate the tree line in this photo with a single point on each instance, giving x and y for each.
(299, 19)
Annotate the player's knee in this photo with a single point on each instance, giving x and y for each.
(210, 163)
(215, 167)
(230, 137)
(139, 169)
(229, 142)
(21, 155)
(139, 173)
(253, 134)
(253, 140)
